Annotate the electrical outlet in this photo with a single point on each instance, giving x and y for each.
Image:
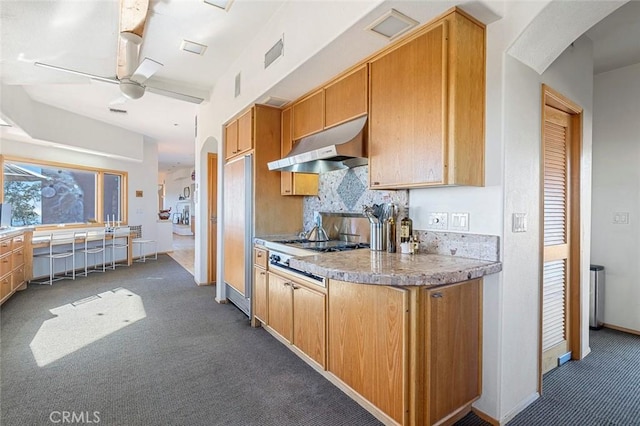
(459, 222)
(437, 220)
(621, 218)
(519, 222)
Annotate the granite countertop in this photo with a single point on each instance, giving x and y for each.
(10, 232)
(373, 267)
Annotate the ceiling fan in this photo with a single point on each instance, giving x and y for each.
(131, 76)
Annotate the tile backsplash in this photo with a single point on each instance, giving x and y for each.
(347, 191)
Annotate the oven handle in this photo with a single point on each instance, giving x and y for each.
(321, 280)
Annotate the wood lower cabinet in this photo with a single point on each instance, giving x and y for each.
(368, 343)
(426, 110)
(15, 263)
(297, 312)
(260, 286)
(454, 342)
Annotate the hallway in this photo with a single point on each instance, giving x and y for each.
(184, 251)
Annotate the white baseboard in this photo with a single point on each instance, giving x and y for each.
(520, 407)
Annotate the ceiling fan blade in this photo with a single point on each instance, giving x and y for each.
(146, 69)
(175, 95)
(83, 74)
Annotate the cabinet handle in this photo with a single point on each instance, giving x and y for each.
(5, 260)
(437, 295)
(5, 245)
(259, 254)
(376, 183)
(263, 273)
(295, 287)
(287, 284)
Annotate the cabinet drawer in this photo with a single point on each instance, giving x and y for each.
(5, 264)
(17, 277)
(18, 257)
(5, 286)
(5, 246)
(260, 257)
(18, 241)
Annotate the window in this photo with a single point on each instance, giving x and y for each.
(53, 194)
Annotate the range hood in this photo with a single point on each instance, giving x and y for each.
(340, 147)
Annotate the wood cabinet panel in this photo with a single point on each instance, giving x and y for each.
(309, 323)
(454, 344)
(426, 118)
(260, 295)
(407, 113)
(231, 139)
(18, 277)
(245, 132)
(308, 115)
(280, 306)
(5, 287)
(5, 264)
(234, 225)
(260, 257)
(368, 343)
(346, 98)
(294, 183)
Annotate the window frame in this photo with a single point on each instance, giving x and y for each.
(100, 172)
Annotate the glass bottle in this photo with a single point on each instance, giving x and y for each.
(406, 226)
(391, 229)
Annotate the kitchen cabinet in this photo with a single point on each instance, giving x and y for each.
(294, 183)
(239, 135)
(346, 98)
(368, 343)
(297, 312)
(426, 111)
(260, 287)
(15, 263)
(252, 202)
(453, 346)
(308, 115)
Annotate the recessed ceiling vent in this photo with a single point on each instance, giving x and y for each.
(118, 111)
(222, 4)
(237, 87)
(273, 101)
(274, 53)
(193, 47)
(392, 24)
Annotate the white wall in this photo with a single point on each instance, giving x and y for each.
(175, 182)
(616, 188)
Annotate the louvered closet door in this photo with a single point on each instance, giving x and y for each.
(555, 274)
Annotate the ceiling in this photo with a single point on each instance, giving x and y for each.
(83, 35)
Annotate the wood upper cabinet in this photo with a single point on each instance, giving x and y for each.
(426, 117)
(294, 183)
(308, 115)
(239, 135)
(346, 98)
(453, 330)
(280, 306)
(309, 322)
(368, 343)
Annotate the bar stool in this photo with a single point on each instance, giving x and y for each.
(118, 234)
(58, 244)
(94, 243)
(136, 234)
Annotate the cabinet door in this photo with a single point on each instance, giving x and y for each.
(309, 323)
(245, 131)
(5, 286)
(308, 115)
(280, 305)
(407, 118)
(346, 98)
(231, 139)
(260, 295)
(454, 344)
(5, 264)
(234, 232)
(17, 277)
(368, 343)
(294, 183)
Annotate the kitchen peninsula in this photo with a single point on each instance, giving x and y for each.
(399, 333)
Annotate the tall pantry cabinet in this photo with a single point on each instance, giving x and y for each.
(252, 202)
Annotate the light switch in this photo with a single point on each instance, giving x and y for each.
(459, 222)
(437, 220)
(519, 222)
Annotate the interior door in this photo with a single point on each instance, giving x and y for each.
(212, 199)
(557, 236)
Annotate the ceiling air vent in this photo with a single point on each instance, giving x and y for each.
(118, 111)
(273, 101)
(392, 24)
(237, 88)
(274, 53)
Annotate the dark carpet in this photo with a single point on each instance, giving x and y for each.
(145, 346)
